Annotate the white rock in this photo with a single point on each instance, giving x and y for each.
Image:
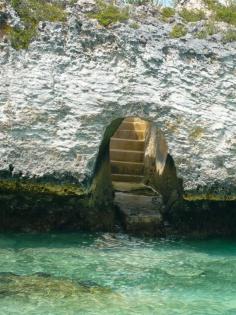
(57, 98)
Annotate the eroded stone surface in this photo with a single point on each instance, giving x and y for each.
(57, 97)
(140, 214)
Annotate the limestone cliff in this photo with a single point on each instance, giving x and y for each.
(58, 96)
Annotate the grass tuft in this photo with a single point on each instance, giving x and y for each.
(108, 13)
(229, 36)
(223, 13)
(134, 25)
(178, 31)
(167, 13)
(209, 30)
(192, 15)
(227, 14)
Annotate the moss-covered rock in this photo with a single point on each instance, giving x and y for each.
(26, 186)
(202, 218)
(29, 206)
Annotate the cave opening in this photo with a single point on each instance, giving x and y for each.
(134, 155)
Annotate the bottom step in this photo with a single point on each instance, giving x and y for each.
(140, 214)
(127, 178)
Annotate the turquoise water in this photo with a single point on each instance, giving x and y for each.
(115, 274)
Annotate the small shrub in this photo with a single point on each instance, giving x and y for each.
(109, 13)
(20, 39)
(138, 2)
(192, 15)
(31, 12)
(229, 36)
(209, 30)
(226, 14)
(167, 13)
(211, 4)
(134, 25)
(202, 34)
(221, 12)
(178, 30)
(73, 2)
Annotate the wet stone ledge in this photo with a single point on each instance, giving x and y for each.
(27, 206)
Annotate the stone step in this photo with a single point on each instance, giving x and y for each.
(140, 214)
(130, 168)
(138, 126)
(130, 134)
(126, 155)
(129, 187)
(127, 178)
(126, 144)
(135, 119)
(138, 203)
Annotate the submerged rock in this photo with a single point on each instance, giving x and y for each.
(46, 285)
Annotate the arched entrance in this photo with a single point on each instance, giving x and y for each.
(133, 155)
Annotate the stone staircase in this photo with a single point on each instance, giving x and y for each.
(139, 206)
(127, 151)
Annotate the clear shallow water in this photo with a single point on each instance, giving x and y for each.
(116, 275)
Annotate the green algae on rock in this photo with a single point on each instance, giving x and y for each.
(15, 186)
(41, 284)
(202, 217)
(29, 206)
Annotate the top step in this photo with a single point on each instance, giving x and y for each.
(130, 134)
(137, 126)
(135, 119)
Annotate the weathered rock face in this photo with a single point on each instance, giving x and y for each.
(57, 97)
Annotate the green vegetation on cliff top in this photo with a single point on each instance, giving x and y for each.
(31, 12)
(221, 12)
(192, 15)
(229, 36)
(109, 13)
(209, 29)
(167, 13)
